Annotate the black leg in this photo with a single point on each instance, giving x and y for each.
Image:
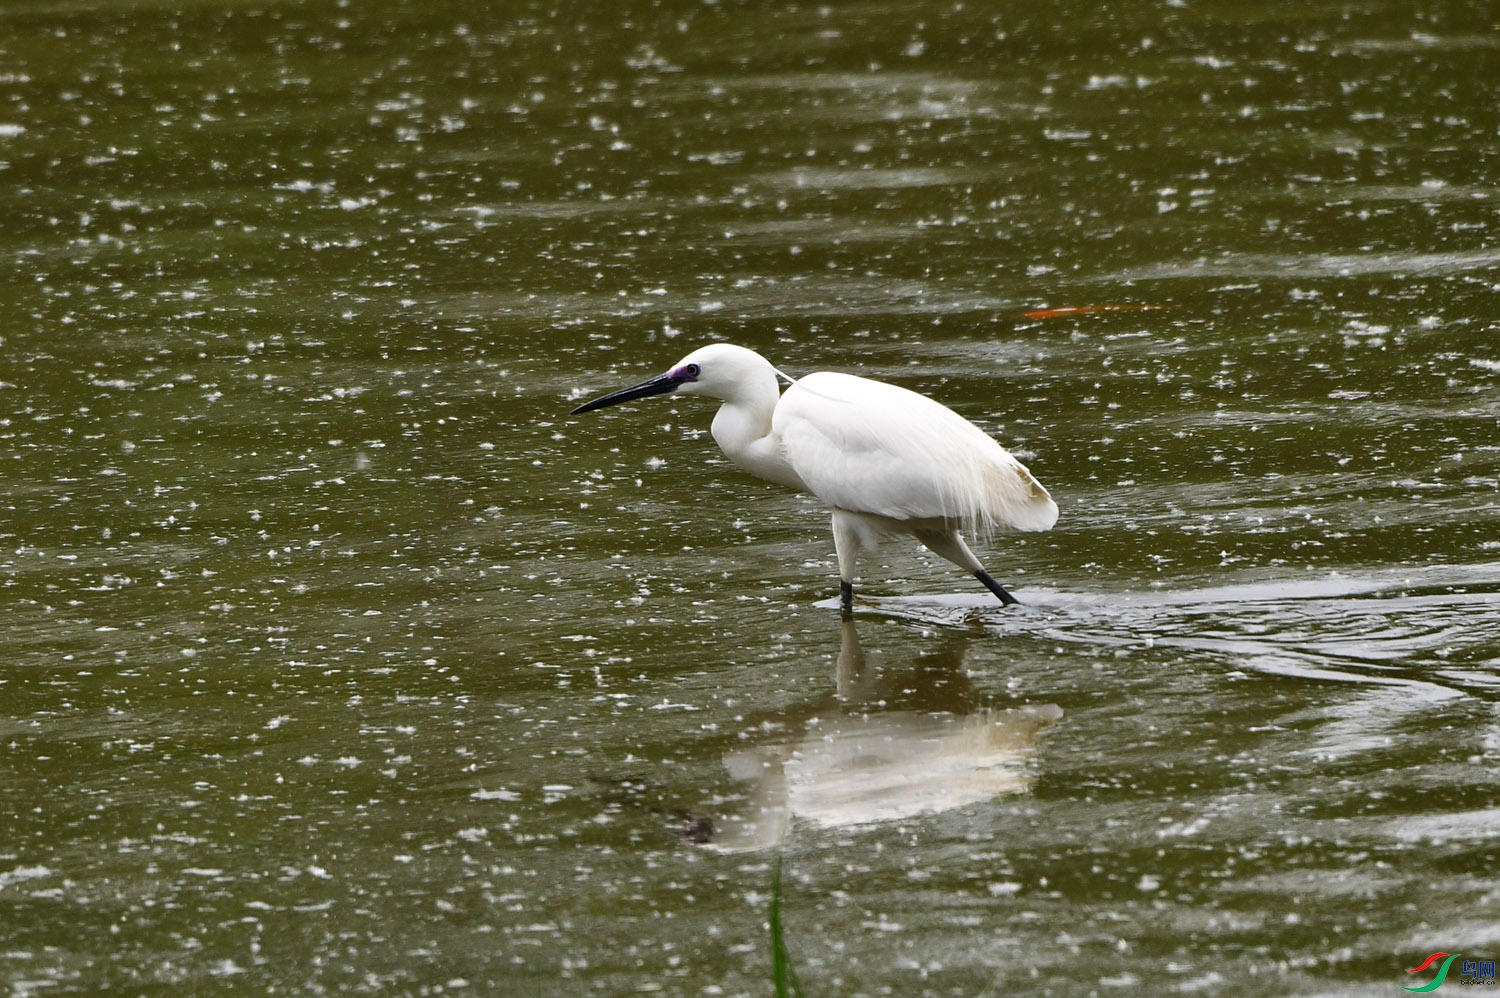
(846, 597)
(989, 583)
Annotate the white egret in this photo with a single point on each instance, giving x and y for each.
(885, 460)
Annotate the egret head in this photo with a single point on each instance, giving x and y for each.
(719, 370)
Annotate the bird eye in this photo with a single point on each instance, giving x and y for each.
(693, 370)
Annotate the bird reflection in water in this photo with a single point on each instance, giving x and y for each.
(894, 744)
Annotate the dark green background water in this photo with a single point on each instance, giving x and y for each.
(338, 658)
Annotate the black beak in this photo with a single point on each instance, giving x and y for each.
(659, 385)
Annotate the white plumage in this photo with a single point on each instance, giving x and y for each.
(885, 460)
(871, 447)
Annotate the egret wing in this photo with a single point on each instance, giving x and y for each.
(871, 447)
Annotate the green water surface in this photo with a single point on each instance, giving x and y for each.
(339, 658)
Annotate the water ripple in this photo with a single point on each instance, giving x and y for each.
(1309, 265)
(1435, 632)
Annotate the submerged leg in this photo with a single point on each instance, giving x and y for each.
(852, 533)
(950, 544)
(996, 588)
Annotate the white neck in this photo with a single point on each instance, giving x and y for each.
(742, 429)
